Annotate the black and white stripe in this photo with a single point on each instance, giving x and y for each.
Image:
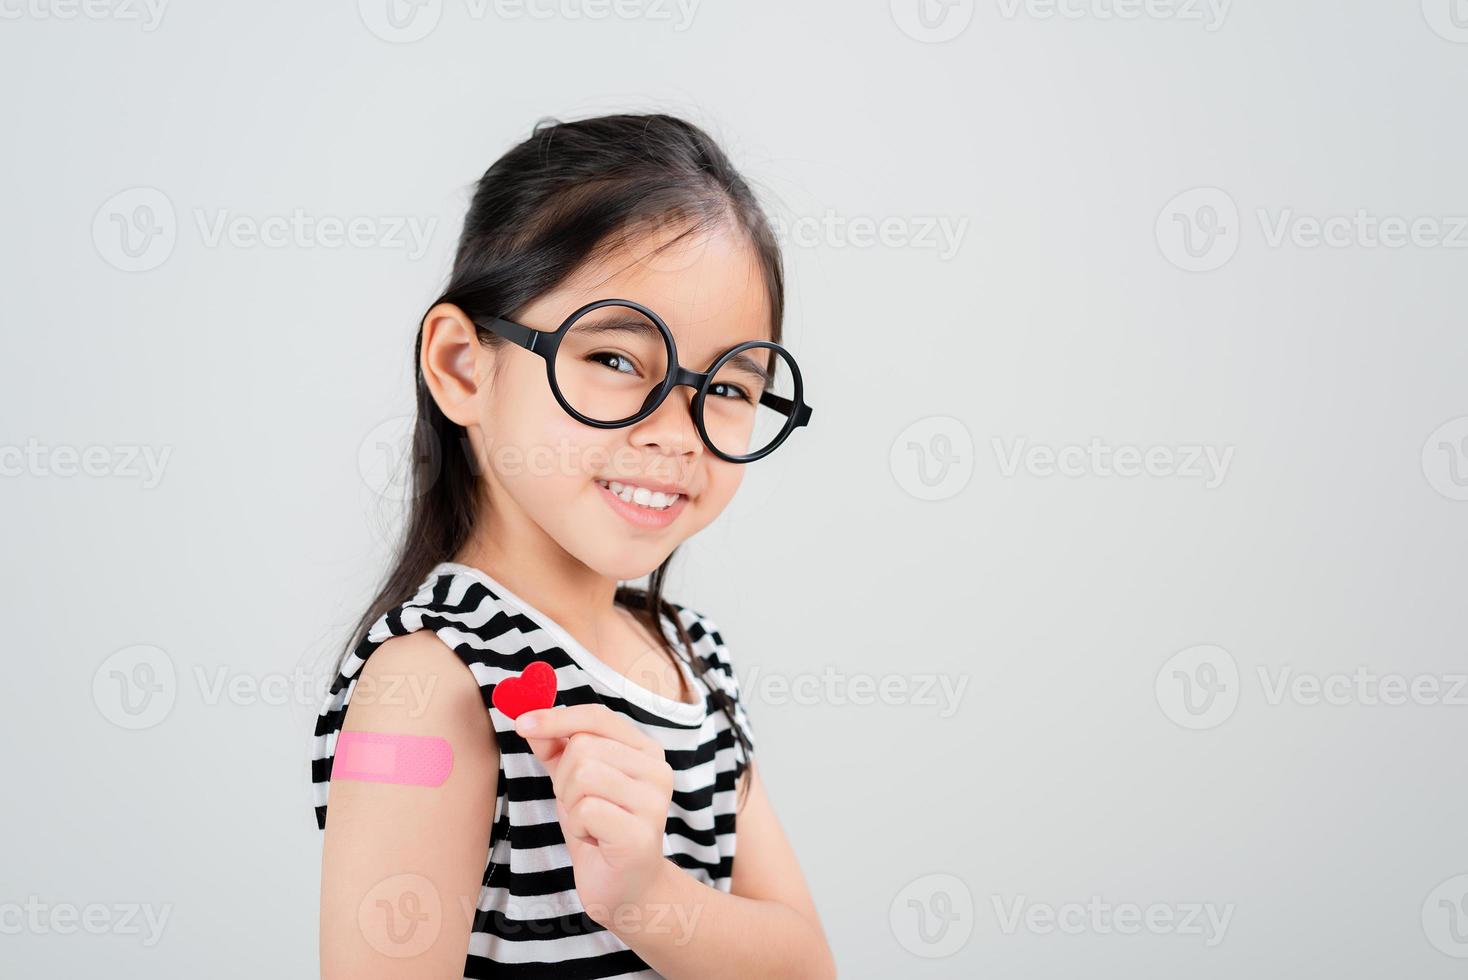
(530, 921)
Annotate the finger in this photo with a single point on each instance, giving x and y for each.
(638, 765)
(573, 827)
(554, 753)
(598, 719)
(612, 827)
(592, 777)
(549, 751)
(546, 747)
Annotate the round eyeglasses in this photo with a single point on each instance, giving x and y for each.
(613, 361)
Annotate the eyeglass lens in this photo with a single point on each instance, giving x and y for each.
(612, 360)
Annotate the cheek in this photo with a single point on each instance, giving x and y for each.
(723, 480)
(532, 438)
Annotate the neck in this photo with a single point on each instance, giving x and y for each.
(514, 550)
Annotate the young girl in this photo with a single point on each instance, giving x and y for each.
(603, 364)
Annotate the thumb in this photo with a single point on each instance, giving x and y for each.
(547, 750)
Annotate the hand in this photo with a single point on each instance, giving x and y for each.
(613, 788)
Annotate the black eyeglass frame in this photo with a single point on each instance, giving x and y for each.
(545, 343)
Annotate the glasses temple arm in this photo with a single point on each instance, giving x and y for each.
(514, 332)
(784, 406)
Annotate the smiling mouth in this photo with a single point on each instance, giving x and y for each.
(650, 500)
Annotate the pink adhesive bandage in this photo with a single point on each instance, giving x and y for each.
(408, 760)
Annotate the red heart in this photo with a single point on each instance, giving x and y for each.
(534, 688)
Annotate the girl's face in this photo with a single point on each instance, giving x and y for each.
(546, 468)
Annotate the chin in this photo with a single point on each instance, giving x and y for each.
(626, 567)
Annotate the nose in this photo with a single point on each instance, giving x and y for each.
(670, 427)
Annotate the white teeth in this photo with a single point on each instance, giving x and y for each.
(642, 496)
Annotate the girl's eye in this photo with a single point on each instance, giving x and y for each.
(726, 390)
(620, 363)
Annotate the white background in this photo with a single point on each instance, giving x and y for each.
(891, 542)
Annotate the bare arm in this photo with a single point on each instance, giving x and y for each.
(402, 865)
(766, 926)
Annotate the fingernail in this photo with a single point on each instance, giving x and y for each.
(525, 723)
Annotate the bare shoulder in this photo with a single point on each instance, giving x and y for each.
(392, 845)
(417, 683)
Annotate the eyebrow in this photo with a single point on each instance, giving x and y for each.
(614, 325)
(634, 324)
(743, 360)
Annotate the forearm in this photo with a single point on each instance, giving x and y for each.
(684, 928)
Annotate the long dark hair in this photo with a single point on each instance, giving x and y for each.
(564, 196)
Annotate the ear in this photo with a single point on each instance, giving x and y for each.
(451, 357)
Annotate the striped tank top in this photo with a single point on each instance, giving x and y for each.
(530, 921)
